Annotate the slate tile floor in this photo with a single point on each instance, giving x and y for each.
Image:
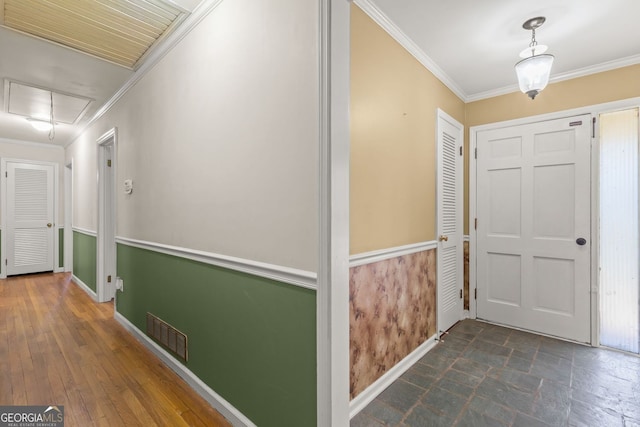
(487, 375)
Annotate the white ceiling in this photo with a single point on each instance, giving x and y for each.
(476, 43)
(473, 44)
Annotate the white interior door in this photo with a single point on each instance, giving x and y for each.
(450, 234)
(30, 218)
(533, 231)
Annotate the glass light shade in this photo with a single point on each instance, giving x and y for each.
(533, 74)
(40, 125)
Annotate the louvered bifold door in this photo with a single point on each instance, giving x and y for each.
(30, 224)
(449, 232)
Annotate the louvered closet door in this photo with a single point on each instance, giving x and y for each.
(29, 218)
(449, 208)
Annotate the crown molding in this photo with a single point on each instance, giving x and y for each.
(573, 74)
(394, 31)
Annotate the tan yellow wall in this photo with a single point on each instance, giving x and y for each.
(614, 85)
(621, 83)
(393, 152)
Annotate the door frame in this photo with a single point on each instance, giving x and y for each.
(68, 216)
(3, 210)
(442, 116)
(595, 111)
(106, 242)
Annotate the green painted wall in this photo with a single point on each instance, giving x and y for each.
(61, 247)
(84, 258)
(251, 339)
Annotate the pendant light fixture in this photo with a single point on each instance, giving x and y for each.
(534, 70)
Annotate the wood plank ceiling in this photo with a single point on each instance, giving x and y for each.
(119, 31)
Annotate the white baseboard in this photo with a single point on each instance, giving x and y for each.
(218, 402)
(84, 287)
(466, 314)
(371, 392)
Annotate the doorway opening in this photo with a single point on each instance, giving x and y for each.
(619, 235)
(106, 250)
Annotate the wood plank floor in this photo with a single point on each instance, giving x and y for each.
(58, 347)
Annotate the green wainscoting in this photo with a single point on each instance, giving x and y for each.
(251, 339)
(84, 258)
(61, 247)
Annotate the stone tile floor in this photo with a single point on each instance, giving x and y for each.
(487, 375)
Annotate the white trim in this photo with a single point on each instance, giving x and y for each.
(332, 298)
(68, 216)
(106, 208)
(384, 254)
(590, 109)
(292, 276)
(165, 46)
(405, 41)
(580, 72)
(365, 397)
(85, 231)
(84, 287)
(215, 400)
(30, 143)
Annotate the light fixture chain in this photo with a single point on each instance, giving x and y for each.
(533, 38)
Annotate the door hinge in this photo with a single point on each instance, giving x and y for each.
(109, 279)
(461, 150)
(460, 293)
(475, 153)
(6, 261)
(593, 128)
(109, 163)
(6, 174)
(475, 224)
(475, 293)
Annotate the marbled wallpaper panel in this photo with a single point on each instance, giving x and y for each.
(392, 312)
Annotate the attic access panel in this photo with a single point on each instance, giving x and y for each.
(35, 102)
(119, 31)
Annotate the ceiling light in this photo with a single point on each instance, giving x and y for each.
(40, 125)
(533, 71)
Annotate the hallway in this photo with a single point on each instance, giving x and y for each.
(487, 375)
(58, 347)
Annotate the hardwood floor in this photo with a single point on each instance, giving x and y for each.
(58, 347)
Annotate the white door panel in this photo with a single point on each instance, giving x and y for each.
(533, 186)
(450, 258)
(30, 214)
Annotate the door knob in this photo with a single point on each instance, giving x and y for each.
(443, 238)
(581, 241)
(49, 225)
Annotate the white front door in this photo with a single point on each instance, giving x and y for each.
(30, 215)
(533, 231)
(450, 235)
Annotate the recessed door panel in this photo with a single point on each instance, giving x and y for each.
(532, 211)
(504, 279)
(554, 201)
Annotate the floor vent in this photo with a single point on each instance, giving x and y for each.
(167, 335)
